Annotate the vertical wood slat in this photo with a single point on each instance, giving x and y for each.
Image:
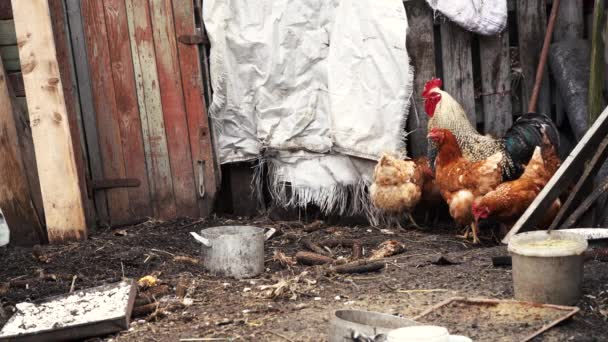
(198, 123)
(53, 141)
(150, 108)
(68, 80)
(496, 83)
(420, 44)
(174, 111)
(106, 111)
(531, 27)
(16, 194)
(127, 105)
(6, 10)
(569, 25)
(89, 120)
(458, 67)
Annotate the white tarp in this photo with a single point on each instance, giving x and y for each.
(316, 90)
(487, 17)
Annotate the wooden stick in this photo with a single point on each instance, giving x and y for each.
(311, 259)
(596, 78)
(313, 247)
(361, 266)
(582, 209)
(591, 169)
(357, 250)
(543, 57)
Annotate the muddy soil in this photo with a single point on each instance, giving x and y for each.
(288, 302)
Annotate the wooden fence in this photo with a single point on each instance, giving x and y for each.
(131, 75)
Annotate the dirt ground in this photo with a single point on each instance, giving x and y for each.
(190, 304)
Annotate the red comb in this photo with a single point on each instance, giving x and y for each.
(433, 83)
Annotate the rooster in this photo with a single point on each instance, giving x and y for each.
(516, 146)
(461, 181)
(398, 184)
(510, 199)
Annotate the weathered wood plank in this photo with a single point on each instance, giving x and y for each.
(150, 108)
(6, 10)
(201, 145)
(531, 27)
(7, 32)
(565, 175)
(16, 81)
(569, 25)
(107, 114)
(53, 141)
(421, 46)
(88, 119)
(16, 198)
(174, 110)
(127, 106)
(496, 83)
(11, 65)
(68, 80)
(596, 77)
(569, 22)
(9, 52)
(458, 67)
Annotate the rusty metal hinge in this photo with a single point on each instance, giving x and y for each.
(111, 183)
(193, 39)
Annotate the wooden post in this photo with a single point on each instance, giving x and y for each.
(596, 79)
(16, 195)
(496, 83)
(55, 155)
(531, 27)
(420, 44)
(458, 67)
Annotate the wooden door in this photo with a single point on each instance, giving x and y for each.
(147, 117)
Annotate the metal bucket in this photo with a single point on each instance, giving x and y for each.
(233, 251)
(348, 325)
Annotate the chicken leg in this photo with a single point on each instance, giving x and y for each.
(474, 231)
(412, 221)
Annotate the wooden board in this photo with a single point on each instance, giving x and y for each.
(16, 81)
(150, 108)
(458, 67)
(106, 111)
(569, 22)
(531, 27)
(9, 52)
(63, 47)
(55, 155)
(7, 32)
(421, 47)
(201, 145)
(564, 176)
(127, 106)
(496, 83)
(174, 111)
(15, 196)
(89, 121)
(6, 10)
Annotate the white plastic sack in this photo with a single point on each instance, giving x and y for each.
(308, 87)
(487, 17)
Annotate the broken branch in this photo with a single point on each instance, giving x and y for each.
(311, 259)
(361, 266)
